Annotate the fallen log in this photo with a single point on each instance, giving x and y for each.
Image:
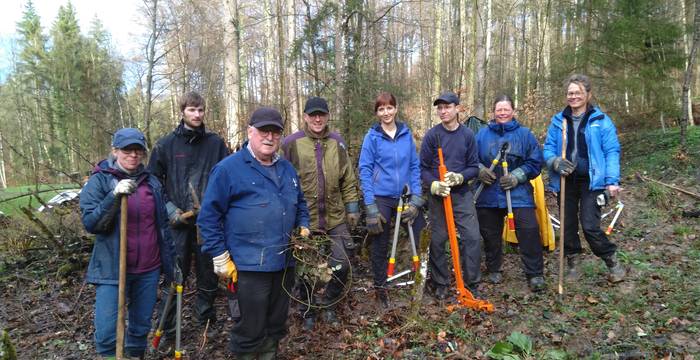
(646, 178)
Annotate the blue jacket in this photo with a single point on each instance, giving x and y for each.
(603, 148)
(101, 216)
(250, 214)
(387, 165)
(524, 153)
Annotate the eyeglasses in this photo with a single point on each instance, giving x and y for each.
(265, 131)
(133, 152)
(574, 93)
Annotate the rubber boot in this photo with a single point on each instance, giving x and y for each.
(495, 277)
(268, 351)
(616, 272)
(572, 264)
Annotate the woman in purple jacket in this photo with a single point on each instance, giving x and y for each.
(150, 250)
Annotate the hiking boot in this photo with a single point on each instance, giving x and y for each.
(268, 350)
(572, 263)
(439, 292)
(495, 277)
(382, 297)
(309, 323)
(537, 284)
(474, 289)
(329, 317)
(616, 272)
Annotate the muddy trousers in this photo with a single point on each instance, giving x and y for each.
(469, 241)
(338, 260)
(580, 204)
(381, 243)
(186, 248)
(263, 298)
(526, 229)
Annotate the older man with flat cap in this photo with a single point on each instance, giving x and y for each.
(252, 205)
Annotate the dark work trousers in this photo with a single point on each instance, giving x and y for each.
(380, 243)
(467, 226)
(580, 203)
(185, 238)
(338, 236)
(526, 229)
(263, 298)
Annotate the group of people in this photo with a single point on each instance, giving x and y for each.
(255, 200)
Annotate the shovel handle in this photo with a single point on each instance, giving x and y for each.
(121, 297)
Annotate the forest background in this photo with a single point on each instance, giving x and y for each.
(68, 89)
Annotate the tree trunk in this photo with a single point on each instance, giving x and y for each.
(150, 64)
(232, 74)
(339, 43)
(689, 79)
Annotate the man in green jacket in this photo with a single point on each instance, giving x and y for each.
(330, 189)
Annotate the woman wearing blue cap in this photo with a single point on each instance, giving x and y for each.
(150, 250)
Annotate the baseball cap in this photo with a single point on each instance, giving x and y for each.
(128, 136)
(447, 97)
(316, 104)
(265, 116)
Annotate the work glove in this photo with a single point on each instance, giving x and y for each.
(440, 188)
(563, 166)
(304, 231)
(512, 180)
(453, 179)
(374, 220)
(224, 267)
(352, 214)
(486, 175)
(124, 187)
(410, 210)
(183, 218)
(508, 182)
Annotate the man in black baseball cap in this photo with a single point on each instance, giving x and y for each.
(447, 97)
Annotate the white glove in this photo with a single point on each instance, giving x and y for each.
(224, 267)
(124, 187)
(453, 179)
(440, 188)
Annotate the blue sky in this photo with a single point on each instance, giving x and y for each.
(120, 18)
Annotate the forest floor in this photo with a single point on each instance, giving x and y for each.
(655, 313)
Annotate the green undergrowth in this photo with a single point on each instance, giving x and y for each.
(11, 207)
(654, 152)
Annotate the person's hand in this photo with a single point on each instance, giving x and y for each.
(374, 220)
(304, 231)
(353, 218)
(178, 217)
(124, 187)
(486, 175)
(562, 166)
(508, 182)
(453, 179)
(410, 212)
(440, 188)
(613, 190)
(224, 267)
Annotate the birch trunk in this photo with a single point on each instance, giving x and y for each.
(232, 74)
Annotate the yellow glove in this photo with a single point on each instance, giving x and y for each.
(304, 231)
(224, 267)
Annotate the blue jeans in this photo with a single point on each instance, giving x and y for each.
(141, 298)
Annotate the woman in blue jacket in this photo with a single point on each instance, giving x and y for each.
(524, 158)
(150, 249)
(388, 162)
(592, 171)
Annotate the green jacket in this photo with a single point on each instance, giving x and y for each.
(327, 176)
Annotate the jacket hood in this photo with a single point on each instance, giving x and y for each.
(192, 135)
(592, 113)
(109, 166)
(503, 128)
(401, 128)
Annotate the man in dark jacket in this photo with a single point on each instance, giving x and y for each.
(251, 207)
(182, 161)
(328, 180)
(462, 161)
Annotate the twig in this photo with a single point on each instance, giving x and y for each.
(204, 336)
(80, 293)
(645, 178)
